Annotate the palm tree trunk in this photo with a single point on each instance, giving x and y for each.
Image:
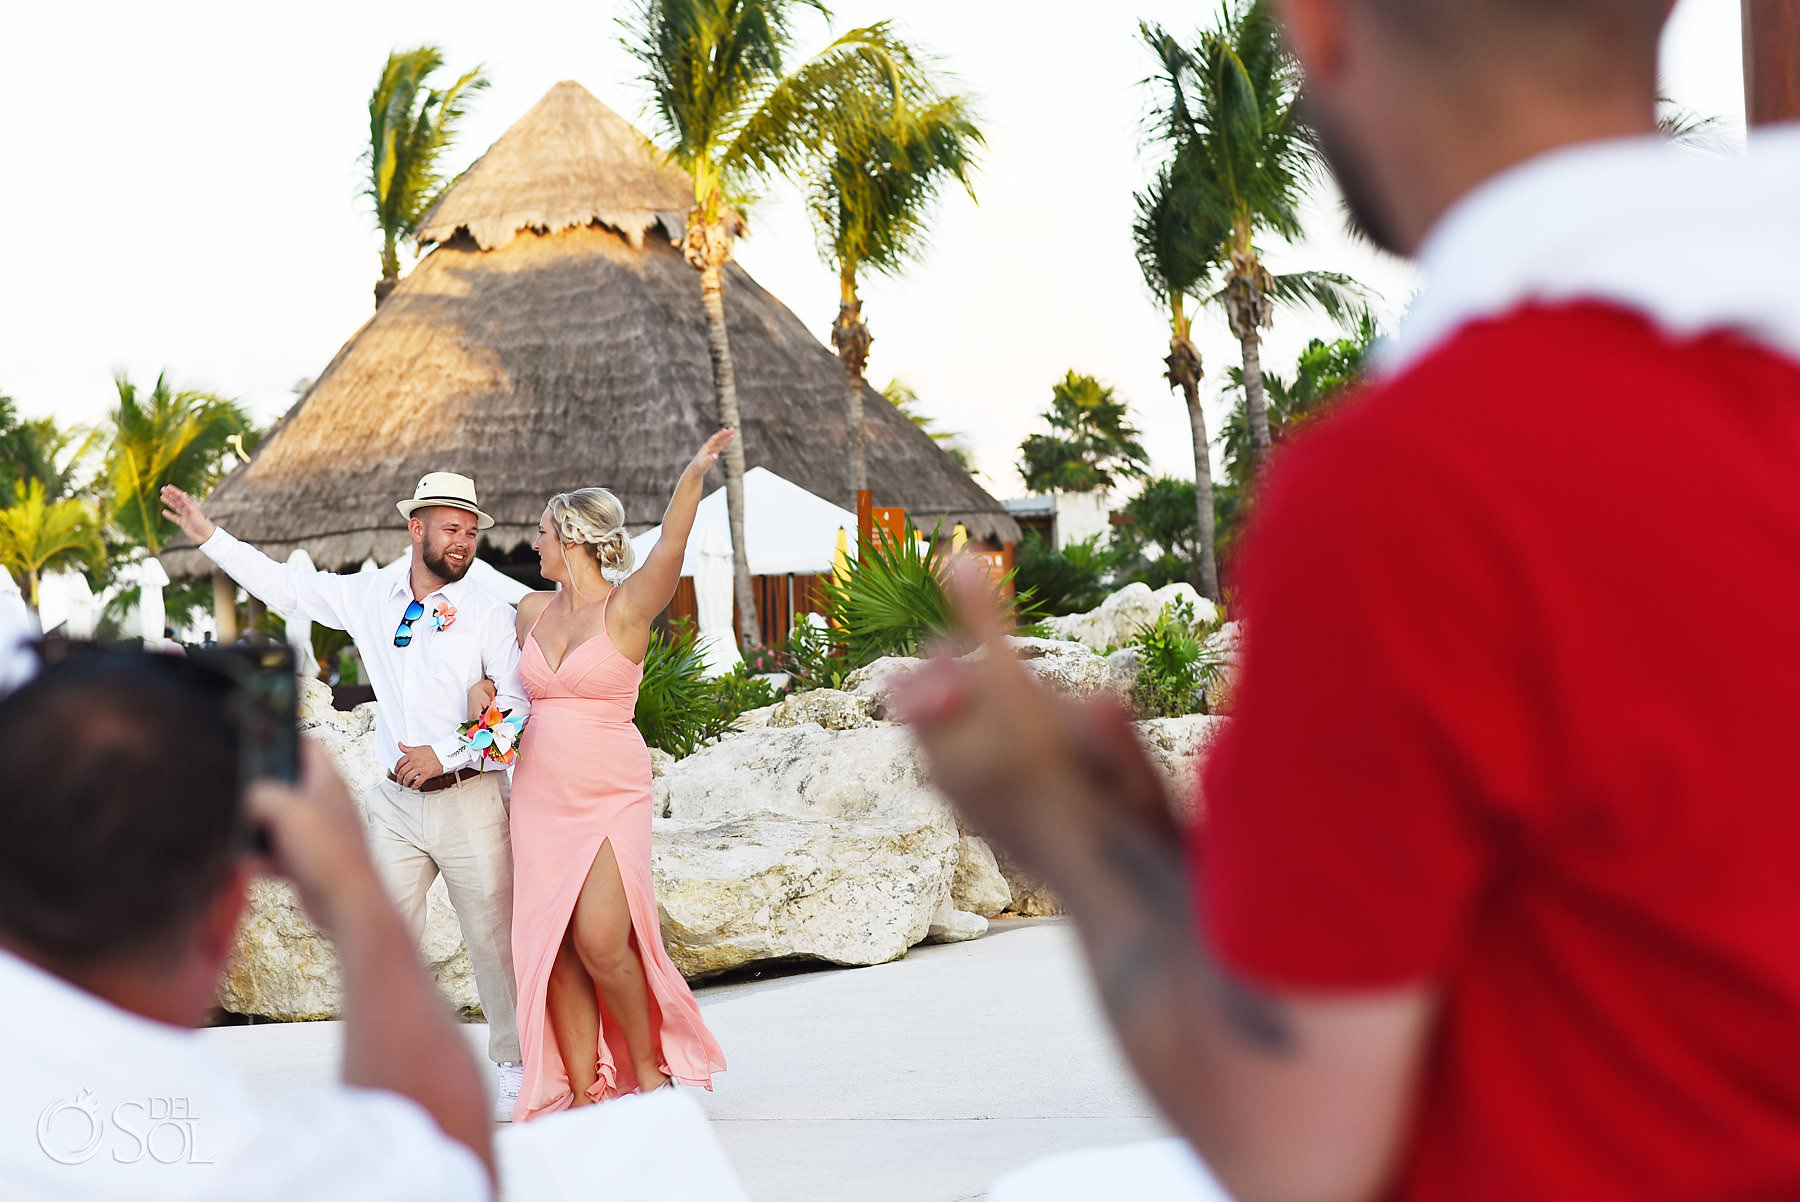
(1184, 372)
(1247, 307)
(1203, 491)
(851, 338)
(31, 590)
(390, 270)
(712, 293)
(1256, 402)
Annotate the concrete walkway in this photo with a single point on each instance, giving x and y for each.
(917, 1081)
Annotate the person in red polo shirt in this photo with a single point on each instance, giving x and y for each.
(1497, 891)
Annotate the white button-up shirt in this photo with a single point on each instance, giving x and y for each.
(102, 1104)
(423, 687)
(1615, 222)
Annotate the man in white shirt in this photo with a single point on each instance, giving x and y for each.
(427, 635)
(124, 867)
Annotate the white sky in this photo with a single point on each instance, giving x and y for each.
(183, 195)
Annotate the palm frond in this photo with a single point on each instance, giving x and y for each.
(708, 66)
(1338, 296)
(893, 146)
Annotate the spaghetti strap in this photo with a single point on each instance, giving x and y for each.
(540, 617)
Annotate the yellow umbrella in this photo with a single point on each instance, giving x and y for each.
(840, 563)
(959, 538)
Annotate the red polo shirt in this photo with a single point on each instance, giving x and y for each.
(1518, 715)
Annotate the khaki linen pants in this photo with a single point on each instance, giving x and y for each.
(462, 832)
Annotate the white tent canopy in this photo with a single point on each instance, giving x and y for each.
(786, 529)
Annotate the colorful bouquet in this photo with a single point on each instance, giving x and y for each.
(494, 736)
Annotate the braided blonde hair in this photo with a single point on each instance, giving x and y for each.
(594, 518)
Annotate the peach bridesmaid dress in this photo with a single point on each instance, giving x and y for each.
(583, 778)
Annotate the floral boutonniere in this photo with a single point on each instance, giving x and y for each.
(443, 616)
(494, 736)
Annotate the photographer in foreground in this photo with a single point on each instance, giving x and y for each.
(124, 868)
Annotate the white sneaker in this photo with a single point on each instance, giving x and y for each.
(508, 1078)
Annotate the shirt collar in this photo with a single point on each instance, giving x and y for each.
(1694, 241)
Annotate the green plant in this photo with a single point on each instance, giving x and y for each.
(184, 438)
(1175, 665)
(1071, 581)
(1229, 113)
(1091, 445)
(892, 599)
(675, 706)
(738, 691)
(812, 660)
(411, 127)
(678, 709)
(734, 117)
(1156, 534)
(871, 197)
(38, 535)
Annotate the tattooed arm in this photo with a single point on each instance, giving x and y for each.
(1285, 1096)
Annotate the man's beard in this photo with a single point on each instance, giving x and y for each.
(442, 568)
(1364, 215)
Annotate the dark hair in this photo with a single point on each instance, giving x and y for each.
(120, 807)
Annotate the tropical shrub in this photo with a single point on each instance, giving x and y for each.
(678, 709)
(1175, 664)
(737, 691)
(1091, 445)
(812, 659)
(1070, 581)
(891, 601)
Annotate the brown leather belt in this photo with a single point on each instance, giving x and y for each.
(437, 783)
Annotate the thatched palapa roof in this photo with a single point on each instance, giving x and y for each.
(554, 338)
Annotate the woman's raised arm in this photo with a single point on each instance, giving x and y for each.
(648, 591)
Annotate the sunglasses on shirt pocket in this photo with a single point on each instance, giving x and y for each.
(414, 612)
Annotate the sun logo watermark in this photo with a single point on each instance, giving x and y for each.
(163, 1129)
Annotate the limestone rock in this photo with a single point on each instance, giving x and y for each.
(355, 758)
(1067, 668)
(1116, 621)
(829, 708)
(1227, 644)
(1123, 667)
(283, 968)
(877, 680)
(1177, 745)
(362, 718)
(977, 886)
(772, 887)
(808, 772)
(754, 719)
(1030, 897)
(950, 925)
(315, 703)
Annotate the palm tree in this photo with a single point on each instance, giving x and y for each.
(1091, 445)
(731, 118)
(1232, 105)
(39, 535)
(870, 197)
(41, 449)
(169, 437)
(410, 127)
(1179, 240)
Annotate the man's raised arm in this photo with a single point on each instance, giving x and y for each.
(320, 596)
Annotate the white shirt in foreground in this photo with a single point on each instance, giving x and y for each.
(102, 1104)
(1694, 242)
(423, 687)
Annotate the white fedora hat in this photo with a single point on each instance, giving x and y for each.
(445, 488)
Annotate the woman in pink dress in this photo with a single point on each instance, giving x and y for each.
(602, 1009)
